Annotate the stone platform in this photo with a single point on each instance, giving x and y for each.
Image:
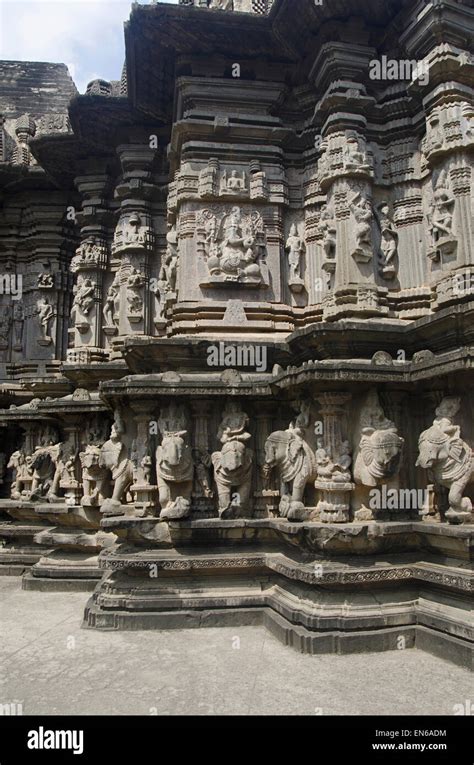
(384, 586)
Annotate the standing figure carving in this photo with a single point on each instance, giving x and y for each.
(174, 464)
(233, 464)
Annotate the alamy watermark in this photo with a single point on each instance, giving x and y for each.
(398, 499)
(11, 284)
(237, 355)
(399, 69)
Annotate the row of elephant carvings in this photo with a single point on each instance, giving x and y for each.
(111, 474)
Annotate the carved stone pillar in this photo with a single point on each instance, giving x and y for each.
(90, 264)
(334, 502)
(144, 492)
(203, 492)
(266, 495)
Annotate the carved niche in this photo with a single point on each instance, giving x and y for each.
(295, 247)
(233, 245)
(441, 216)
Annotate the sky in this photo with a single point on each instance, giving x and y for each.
(87, 35)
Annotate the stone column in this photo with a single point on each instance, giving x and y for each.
(266, 495)
(144, 492)
(334, 502)
(203, 490)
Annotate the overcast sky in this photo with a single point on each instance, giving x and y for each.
(87, 35)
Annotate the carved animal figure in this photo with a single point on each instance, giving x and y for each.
(295, 461)
(174, 471)
(113, 457)
(450, 461)
(233, 476)
(95, 479)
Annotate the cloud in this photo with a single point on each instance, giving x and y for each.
(87, 35)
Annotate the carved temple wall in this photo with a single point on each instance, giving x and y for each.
(238, 284)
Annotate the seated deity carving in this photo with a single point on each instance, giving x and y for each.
(233, 247)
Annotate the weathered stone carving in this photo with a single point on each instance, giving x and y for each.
(91, 253)
(5, 325)
(95, 478)
(111, 304)
(83, 303)
(388, 242)
(292, 456)
(379, 453)
(233, 464)
(444, 243)
(45, 313)
(449, 461)
(174, 464)
(18, 322)
(114, 458)
(21, 464)
(132, 233)
(362, 212)
(355, 154)
(295, 247)
(233, 247)
(135, 284)
(233, 184)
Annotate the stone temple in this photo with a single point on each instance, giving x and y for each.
(236, 324)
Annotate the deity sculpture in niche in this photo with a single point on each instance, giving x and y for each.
(83, 303)
(361, 209)
(132, 233)
(233, 247)
(45, 313)
(233, 464)
(378, 455)
(328, 233)
(444, 243)
(91, 252)
(355, 154)
(234, 183)
(114, 458)
(110, 304)
(135, 284)
(169, 269)
(174, 464)
(295, 247)
(449, 461)
(388, 242)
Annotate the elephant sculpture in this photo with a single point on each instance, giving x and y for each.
(95, 479)
(46, 473)
(295, 461)
(175, 472)
(450, 462)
